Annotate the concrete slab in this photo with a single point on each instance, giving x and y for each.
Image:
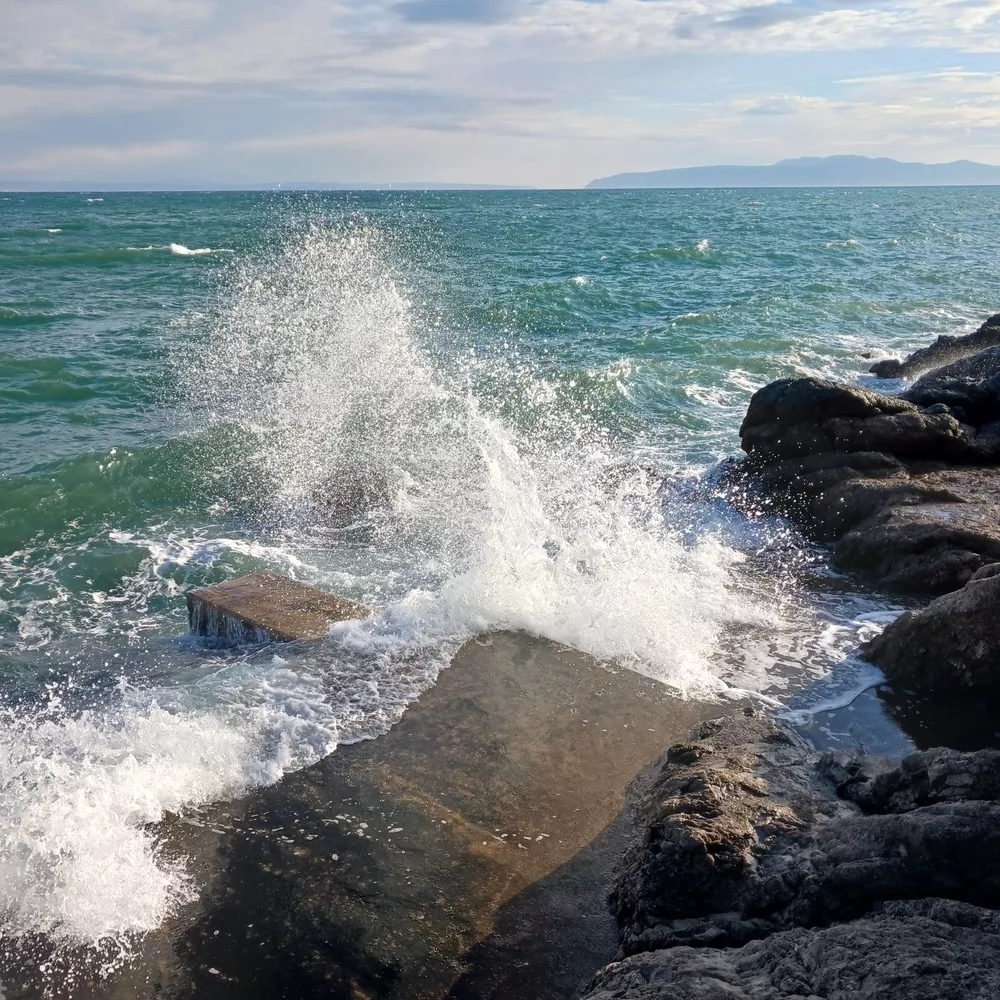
(465, 854)
(267, 607)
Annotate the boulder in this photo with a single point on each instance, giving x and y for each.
(922, 548)
(798, 418)
(968, 389)
(829, 493)
(953, 643)
(927, 949)
(943, 351)
(762, 869)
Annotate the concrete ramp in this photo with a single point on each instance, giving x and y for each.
(466, 854)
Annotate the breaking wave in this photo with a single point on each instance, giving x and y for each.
(453, 488)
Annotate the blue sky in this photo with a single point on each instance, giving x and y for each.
(538, 92)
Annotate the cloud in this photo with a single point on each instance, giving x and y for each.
(460, 11)
(764, 15)
(524, 91)
(775, 106)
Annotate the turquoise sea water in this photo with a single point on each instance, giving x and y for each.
(456, 407)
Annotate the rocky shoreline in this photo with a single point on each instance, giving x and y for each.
(762, 869)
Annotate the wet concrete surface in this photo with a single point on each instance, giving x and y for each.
(466, 854)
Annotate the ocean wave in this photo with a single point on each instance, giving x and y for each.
(506, 509)
(702, 250)
(180, 250)
(81, 256)
(12, 316)
(501, 499)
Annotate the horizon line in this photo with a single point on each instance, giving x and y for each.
(124, 188)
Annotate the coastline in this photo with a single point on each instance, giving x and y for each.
(382, 871)
(764, 866)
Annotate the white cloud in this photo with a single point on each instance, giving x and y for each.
(529, 91)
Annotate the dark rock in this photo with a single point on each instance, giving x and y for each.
(791, 401)
(833, 492)
(702, 819)
(968, 389)
(952, 644)
(939, 775)
(741, 834)
(870, 470)
(796, 418)
(927, 949)
(762, 869)
(922, 548)
(943, 351)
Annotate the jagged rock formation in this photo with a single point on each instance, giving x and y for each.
(943, 351)
(760, 869)
(905, 485)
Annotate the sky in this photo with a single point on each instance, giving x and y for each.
(548, 93)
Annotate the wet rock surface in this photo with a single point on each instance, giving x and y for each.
(762, 869)
(924, 950)
(466, 853)
(795, 418)
(923, 547)
(952, 644)
(969, 389)
(943, 351)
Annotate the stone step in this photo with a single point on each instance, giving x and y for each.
(267, 607)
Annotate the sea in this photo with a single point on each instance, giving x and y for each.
(469, 410)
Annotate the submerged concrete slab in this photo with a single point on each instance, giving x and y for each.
(465, 854)
(266, 607)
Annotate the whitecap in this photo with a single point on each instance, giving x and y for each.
(182, 251)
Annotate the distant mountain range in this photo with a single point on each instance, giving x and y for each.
(813, 171)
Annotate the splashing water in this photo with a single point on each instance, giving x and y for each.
(502, 502)
(453, 487)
